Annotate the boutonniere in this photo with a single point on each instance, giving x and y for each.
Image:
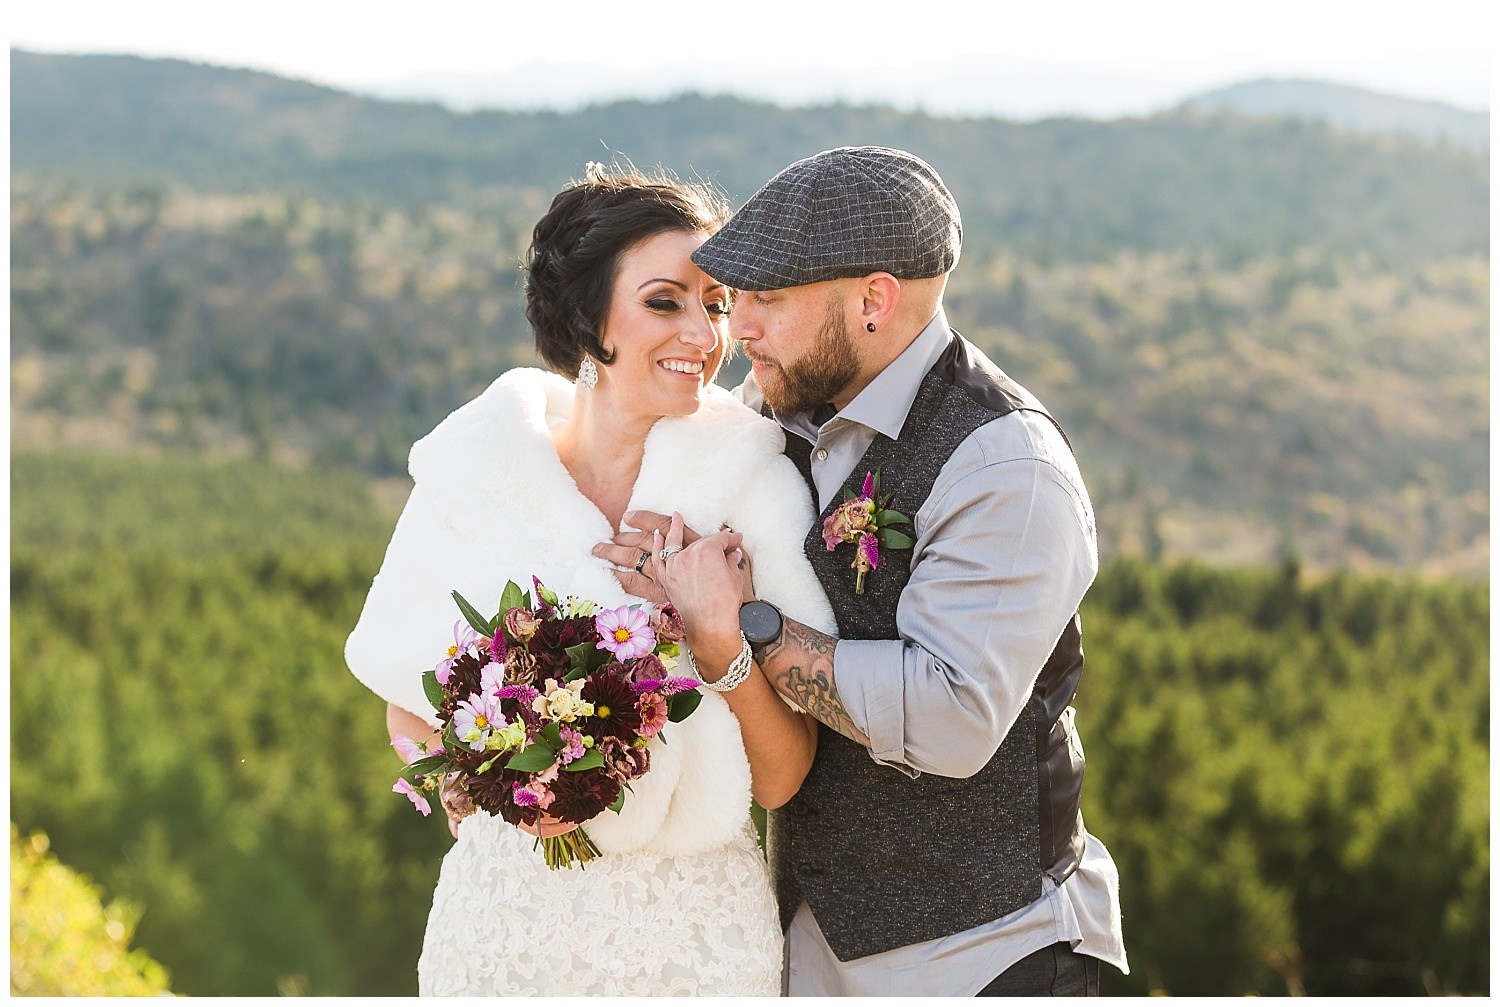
(866, 521)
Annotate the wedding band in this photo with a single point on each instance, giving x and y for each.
(640, 564)
(667, 551)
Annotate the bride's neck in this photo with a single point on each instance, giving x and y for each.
(602, 447)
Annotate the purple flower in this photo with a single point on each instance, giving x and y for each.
(572, 746)
(418, 801)
(647, 667)
(463, 638)
(868, 490)
(497, 647)
(665, 686)
(866, 558)
(625, 632)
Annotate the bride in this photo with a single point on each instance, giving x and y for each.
(525, 480)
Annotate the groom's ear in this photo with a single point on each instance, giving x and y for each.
(879, 294)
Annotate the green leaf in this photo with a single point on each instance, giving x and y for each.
(889, 517)
(588, 760)
(513, 597)
(895, 540)
(532, 759)
(584, 658)
(432, 689)
(682, 704)
(619, 802)
(551, 736)
(430, 764)
(483, 626)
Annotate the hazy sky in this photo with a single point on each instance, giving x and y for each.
(1436, 48)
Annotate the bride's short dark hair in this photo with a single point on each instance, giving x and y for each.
(575, 249)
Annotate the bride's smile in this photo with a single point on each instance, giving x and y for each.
(668, 327)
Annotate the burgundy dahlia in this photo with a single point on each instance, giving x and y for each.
(616, 714)
(577, 797)
(553, 638)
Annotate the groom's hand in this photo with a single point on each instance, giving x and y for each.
(626, 549)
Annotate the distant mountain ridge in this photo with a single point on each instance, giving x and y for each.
(1350, 108)
(965, 87)
(1074, 188)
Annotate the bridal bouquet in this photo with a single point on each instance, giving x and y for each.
(548, 708)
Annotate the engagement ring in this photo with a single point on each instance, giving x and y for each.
(667, 551)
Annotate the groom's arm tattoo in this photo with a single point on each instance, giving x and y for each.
(799, 665)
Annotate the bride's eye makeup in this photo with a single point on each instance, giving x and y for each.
(662, 304)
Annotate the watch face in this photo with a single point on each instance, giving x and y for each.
(759, 621)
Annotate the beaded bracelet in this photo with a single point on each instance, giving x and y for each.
(739, 669)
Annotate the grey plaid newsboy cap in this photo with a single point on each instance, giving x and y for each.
(845, 212)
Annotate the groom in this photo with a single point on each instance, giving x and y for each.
(936, 847)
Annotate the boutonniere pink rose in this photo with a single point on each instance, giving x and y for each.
(866, 521)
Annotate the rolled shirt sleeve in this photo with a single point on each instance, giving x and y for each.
(1006, 547)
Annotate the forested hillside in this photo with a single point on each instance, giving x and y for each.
(1291, 772)
(1333, 407)
(236, 300)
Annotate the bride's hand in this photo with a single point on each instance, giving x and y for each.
(707, 581)
(635, 554)
(547, 827)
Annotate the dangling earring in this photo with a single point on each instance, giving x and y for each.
(588, 374)
(869, 326)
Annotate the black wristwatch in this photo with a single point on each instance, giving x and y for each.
(760, 621)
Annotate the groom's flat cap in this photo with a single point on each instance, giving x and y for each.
(850, 211)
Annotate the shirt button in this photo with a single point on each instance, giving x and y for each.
(822, 454)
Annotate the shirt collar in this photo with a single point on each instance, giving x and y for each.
(882, 405)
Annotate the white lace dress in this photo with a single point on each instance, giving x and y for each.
(627, 924)
(680, 900)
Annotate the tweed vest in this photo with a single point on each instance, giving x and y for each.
(885, 860)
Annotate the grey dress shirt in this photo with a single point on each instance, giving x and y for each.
(1006, 547)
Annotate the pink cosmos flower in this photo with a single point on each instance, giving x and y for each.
(475, 718)
(417, 800)
(653, 708)
(625, 632)
(464, 637)
(409, 750)
(491, 679)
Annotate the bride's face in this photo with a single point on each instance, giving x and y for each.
(668, 326)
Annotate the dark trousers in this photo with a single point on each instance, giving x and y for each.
(1056, 971)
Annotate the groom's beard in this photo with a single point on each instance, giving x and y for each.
(816, 377)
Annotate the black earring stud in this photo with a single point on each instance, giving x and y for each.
(869, 326)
